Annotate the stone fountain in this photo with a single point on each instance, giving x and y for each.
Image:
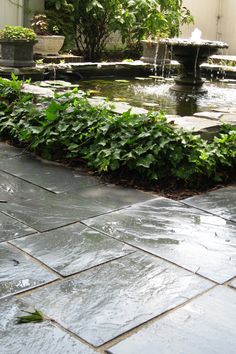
(191, 53)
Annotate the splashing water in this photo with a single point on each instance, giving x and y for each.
(196, 35)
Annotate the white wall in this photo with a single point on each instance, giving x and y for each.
(11, 12)
(228, 24)
(215, 18)
(205, 14)
(17, 12)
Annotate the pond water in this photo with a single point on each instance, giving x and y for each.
(153, 95)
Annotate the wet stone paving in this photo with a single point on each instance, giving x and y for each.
(113, 270)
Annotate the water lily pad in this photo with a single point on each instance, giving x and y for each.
(150, 104)
(119, 99)
(56, 83)
(142, 78)
(122, 81)
(91, 92)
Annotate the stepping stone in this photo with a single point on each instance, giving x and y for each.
(104, 302)
(43, 337)
(43, 210)
(73, 249)
(50, 176)
(19, 273)
(7, 151)
(190, 238)
(204, 326)
(228, 119)
(221, 202)
(209, 115)
(205, 127)
(11, 228)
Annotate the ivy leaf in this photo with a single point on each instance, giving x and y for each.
(35, 316)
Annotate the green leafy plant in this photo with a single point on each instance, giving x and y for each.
(17, 32)
(60, 14)
(145, 146)
(35, 316)
(41, 25)
(92, 22)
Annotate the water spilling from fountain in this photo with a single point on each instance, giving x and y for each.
(191, 53)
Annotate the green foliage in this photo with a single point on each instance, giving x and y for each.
(141, 19)
(40, 24)
(17, 32)
(35, 316)
(93, 21)
(9, 92)
(60, 15)
(134, 19)
(144, 146)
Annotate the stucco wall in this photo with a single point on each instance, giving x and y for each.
(228, 24)
(11, 12)
(215, 18)
(17, 12)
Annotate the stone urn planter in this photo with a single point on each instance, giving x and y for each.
(17, 53)
(17, 46)
(155, 52)
(48, 45)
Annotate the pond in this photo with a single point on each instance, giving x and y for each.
(153, 95)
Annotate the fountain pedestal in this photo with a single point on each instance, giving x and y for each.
(191, 54)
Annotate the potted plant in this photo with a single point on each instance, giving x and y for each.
(17, 46)
(48, 43)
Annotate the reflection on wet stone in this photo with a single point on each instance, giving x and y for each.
(32, 338)
(50, 176)
(108, 300)
(73, 249)
(221, 202)
(204, 326)
(44, 210)
(198, 241)
(8, 151)
(233, 283)
(19, 273)
(10, 228)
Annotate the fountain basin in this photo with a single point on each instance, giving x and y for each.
(155, 52)
(191, 54)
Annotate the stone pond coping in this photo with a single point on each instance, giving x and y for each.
(137, 67)
(204, 123)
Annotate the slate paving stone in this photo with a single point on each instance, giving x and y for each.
(73, 249)
(50, 176)
(204, 326)
(108, 300)
(43, 210)
(7, 151)
(13, 188)
(200, 242)
(19, 273)
(10, 228)
(233, 283)
(221, 202)
(31, 338)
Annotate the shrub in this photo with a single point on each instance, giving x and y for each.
(17, 32)
(92, 22)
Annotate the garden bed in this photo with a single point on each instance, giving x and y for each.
(143, 149)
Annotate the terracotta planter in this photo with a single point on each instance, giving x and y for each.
(154, 52)
(17, 53)
(49, 45)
